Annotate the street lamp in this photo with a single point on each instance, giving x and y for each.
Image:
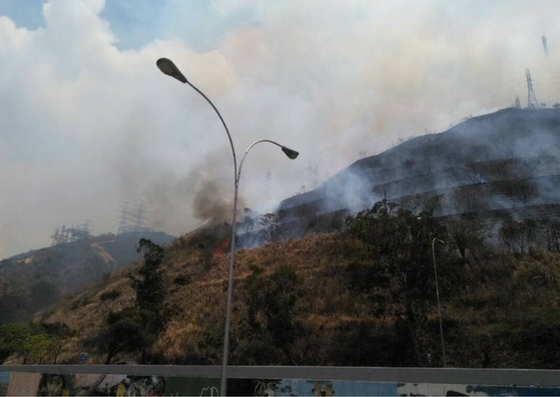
(168, 67)
(437, 295)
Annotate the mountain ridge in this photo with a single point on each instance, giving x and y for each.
(39, 278)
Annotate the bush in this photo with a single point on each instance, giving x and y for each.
(80, 303)
(182, 280)
(110, 295)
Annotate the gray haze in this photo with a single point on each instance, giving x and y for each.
(87, 123)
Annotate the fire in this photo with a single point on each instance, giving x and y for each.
(221, 247)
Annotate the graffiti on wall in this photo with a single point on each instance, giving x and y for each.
(35, 384)
(293, 387)
(118, 385)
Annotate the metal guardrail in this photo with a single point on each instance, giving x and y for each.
(503, 377)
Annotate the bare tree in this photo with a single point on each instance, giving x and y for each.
(467, 232)
(517, 191)
(466, 198)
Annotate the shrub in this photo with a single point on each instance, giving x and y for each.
(110, 295)
(182, 280)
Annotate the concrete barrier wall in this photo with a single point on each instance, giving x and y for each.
(155, 380)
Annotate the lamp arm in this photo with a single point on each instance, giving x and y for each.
(247, 152)
(225, 127)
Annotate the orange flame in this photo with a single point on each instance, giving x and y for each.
(221, 247)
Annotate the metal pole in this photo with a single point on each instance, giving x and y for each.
(168, 67)
(223, 382)
(438, 304)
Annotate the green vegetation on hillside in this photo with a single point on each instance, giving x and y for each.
(365, 296)
(136, 328)
(33, 281)
(41, 342)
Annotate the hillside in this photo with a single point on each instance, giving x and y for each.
(498, 310)
(505, 161)
(32, 281)
(486, 187)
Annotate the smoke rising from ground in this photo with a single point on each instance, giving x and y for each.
(87, 122)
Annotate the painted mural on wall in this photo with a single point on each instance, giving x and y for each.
(34, 384)
(296, 387)
(55, 385)
(118, 385)
(129, 385)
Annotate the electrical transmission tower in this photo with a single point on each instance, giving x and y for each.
(133, 219)
(71, 234)
(545, 48)
(123, 222)
(139, 216)
(532, 102)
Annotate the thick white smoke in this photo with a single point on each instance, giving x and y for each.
(86, 123)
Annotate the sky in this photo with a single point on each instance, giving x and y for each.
(88, 123)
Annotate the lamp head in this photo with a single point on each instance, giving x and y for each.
(168, 67)
(292, 154)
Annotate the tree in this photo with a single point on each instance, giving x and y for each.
(466, 198)
(25, 339)
(551, 230)
(268, 225)
(510, 234)
(467, 232)
(137, 328)
(517, 236)
(270, 228)
(271, 311)
(520, 190)
(248, 221)
(150, 289)
(58, 333)
(40, 345)
(14, 339)
(125, 331)
(397, 262)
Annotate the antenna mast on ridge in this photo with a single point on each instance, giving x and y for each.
(532, 102)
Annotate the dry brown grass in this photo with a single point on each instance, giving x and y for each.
(500, 290)
(202, 300)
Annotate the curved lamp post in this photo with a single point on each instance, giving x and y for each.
(169, 68)
(437, 295)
